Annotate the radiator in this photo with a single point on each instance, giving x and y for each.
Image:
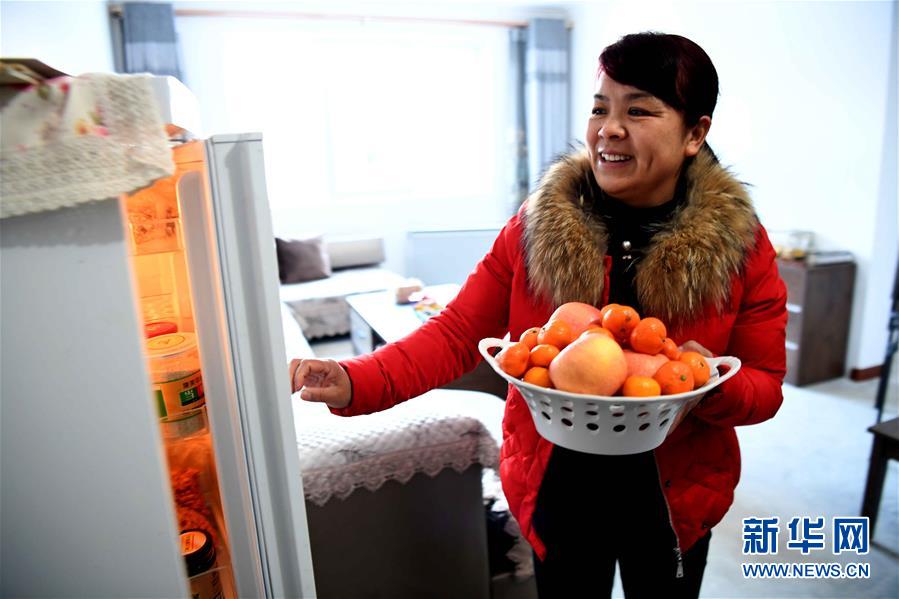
(438, 257)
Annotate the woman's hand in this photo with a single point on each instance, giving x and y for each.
(322, 381)
(697, 347)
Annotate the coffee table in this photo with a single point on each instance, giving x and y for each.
(376, 319)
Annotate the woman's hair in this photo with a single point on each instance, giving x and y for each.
(670, 67)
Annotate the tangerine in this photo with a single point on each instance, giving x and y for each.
(542, 354)
(538, 375)
(641, 386)
(513, 359)
(621, 320)
(670, 349)
(696, 362)
(604, 309)
(674, 377)
(648, 337)
(556, 332)
(529, 337)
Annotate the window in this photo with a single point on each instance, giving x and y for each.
(360, 119)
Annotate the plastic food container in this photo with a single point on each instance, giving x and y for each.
(608, 425)
(793, 245)
(153, 218)
(175, 373)
(185, 425)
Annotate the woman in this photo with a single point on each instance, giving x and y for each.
(644, 216)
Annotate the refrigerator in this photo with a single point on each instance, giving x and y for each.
(148, 446)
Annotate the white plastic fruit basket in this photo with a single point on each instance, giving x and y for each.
(608, 425)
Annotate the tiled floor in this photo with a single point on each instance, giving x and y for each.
(810, 460)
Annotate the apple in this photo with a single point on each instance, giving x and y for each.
(592, 364)
(577, 315)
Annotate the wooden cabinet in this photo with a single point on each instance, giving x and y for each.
(819, 306)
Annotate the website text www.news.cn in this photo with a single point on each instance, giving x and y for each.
(849, 535)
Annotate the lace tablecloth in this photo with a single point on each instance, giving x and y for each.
(77, 139)
(427, 434)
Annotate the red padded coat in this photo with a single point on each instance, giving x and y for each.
(711, 275)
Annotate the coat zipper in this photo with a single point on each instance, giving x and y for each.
(677, 551)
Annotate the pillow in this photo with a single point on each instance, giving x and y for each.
(346, 252)
(302, 260)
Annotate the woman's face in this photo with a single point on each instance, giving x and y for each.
(637, 143)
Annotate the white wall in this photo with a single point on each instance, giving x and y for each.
(70, 36)
(807, 115)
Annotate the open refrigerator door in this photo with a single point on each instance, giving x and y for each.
(202, 255)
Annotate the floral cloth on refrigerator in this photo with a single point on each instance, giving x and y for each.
(71, 140)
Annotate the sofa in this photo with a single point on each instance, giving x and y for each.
(354, 266)
(407, 502)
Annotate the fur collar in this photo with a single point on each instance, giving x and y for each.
(688, 266)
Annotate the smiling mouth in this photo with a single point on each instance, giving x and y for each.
(609, 157)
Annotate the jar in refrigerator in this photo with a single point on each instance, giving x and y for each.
(175, 373)
(159, 327)
(199, 556)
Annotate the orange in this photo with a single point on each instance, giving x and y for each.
(514, 359)
(648, 336)
(620, 320)
(674, 377)
(641, 386)
(556, 332)
(529, 337)
(542, 354)
(696, 362)
(606, 308)
(539, 376)
(670, 349)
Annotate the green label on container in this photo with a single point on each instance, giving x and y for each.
(192, 391)
(160, 404)
(180, 395)
(189, 396)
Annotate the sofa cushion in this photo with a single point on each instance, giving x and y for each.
(320, 307)
(349, 252)
(302, 259)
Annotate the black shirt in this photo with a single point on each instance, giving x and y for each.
(630, 232)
